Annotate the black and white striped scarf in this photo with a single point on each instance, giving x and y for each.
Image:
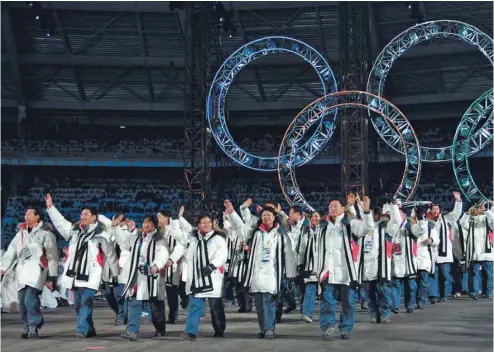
(384, 264)
(239, 258)
(471, 241)
(313, 237)
(201, 284)
(443, 238)
(152, 281)
(231, 252)
(280, 259)
(410, 241)
(169, 271)
(78, 265)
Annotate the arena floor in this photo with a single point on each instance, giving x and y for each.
(455, 326)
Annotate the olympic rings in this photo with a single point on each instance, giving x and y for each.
(215, 107)
(397, 47)
(465, 140)
(313, 113)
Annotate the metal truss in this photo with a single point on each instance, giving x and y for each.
(197, 138)
(216, 108)
(316, 112)
(479, 117)
(398, 46)
(354, 69)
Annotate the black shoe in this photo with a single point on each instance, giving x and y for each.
(189, 337)
(345, 336)
(419, 306)
(91, 334)
(278, 320)
(260, 335)
(171, 321)
(218, 334)
(24, 334)
(395, 311)
(158, 334)
(290, 309)
(242, 310)
(410, 310)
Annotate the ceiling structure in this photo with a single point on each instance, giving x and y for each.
(123, 62)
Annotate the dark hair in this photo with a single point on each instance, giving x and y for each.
(275, 203)
(203, 216)
(435, 205)
(321, 213)
(272, 211)
(116, 215)
(36, 210)
(92, 210)
(165, 213)
(377, 210)
(297, 209)
(151, 218)
(337, 200)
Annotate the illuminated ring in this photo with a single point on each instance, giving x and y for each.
(401, 43)
(465, 140)
(215, 109)
(314, 112)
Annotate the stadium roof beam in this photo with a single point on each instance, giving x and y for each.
(145, 51)
(163, 6)
(68, 49)
(295, 105)
(11, 50)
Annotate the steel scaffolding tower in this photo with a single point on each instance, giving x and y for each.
(354, 70)
(197, 139)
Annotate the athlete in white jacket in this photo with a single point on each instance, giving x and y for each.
(149, 254)
(34, 248)
(206, 258)
(478, 226)
(444, 225)
(271, 258)
(89, 247)
(337, 269)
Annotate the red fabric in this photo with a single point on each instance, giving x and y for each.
(355, 250)
(414, 249)
(163, 272)
(43, 260)
(325, 276)
(23, 226)
(389, 249)
(263, 228)
(100, 257)
(222, 269)
(491, 237)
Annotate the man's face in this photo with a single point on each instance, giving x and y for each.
(163, 220)
(87, 218)
(205, 225)
(435, 211)
(315, 219)
(294, 216)
(336, 209)
(147, 226)
(376, 216)
(267, 218)
(30, 218)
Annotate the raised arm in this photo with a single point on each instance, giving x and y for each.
(63, 226)
(360, 228)
(124, 238)
(454, 215)
(178, 233)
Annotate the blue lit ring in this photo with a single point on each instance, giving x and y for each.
(465, 140)
(215, 109)
(397, 47)
(314, 112)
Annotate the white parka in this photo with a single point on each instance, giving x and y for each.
(99, 250)
(446, 223)
(332, 256)
(426, 255)
(130, 270)
(482, 239)
(37, 255)
(176, 256)
(217, 255)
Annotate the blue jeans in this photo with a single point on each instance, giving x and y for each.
(266, 310)
(433, 290)
(476, 279)
(29, 307)
(423, 283)
(464, 282)
(83, 302)
(194, 311)
(379, 301)
(156, 314)
(117, 303)
(310, 299)
(445, 285)
(327, 313)
(410, 292)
